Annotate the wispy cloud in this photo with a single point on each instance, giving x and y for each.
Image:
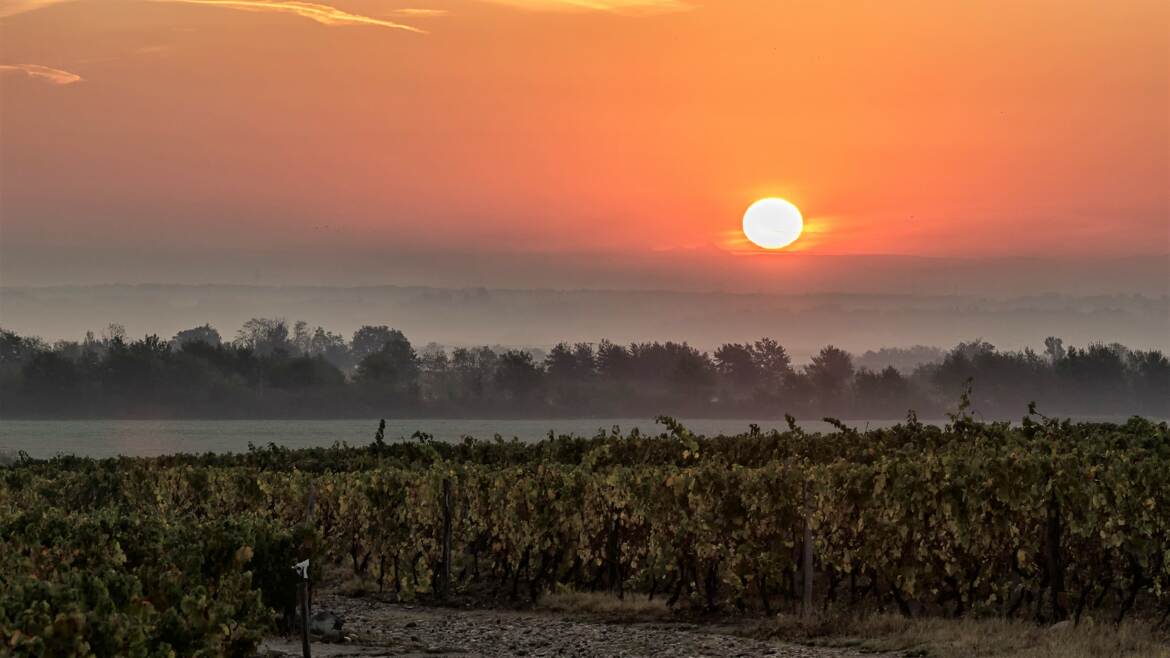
(615, 6)
(323, 14)
(412, 11)
(13, 7)
(45, 73)
(329, 15)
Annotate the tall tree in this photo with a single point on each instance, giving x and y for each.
(614, 363)
(517, 376)
(331, 347)
(393, 367)
(774, 366)
(830, 373)
(265, 336)
(737, 367)
(370, 339)
(1054, 348)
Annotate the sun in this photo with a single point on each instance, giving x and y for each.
(772, 223)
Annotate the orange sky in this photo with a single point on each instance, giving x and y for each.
(925, 128)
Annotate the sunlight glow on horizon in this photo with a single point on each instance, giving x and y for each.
(615, 127)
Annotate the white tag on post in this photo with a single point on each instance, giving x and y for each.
(303, 569)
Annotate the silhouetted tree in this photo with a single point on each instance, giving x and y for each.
(775, 370)
(201, 334)
(878, 393)
(1092, 376)
(692, 374)
(473, 370)
(308, 372)
(49, 375)
(738, 369)
(16, 350)
(998, 379)
(829, 375)
(113, 332)
(370, 339)
(570, 372)
(517, 376)
(435, 378)
(269, 371)
(1151, 382)
(586, 360)
(331, 347)
(392, 368)
(265, 336)
(614, 363)
(560, 364)
(1054, 348)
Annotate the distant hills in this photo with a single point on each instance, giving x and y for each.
(538, 318)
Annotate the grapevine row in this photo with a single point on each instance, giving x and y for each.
(1043, 520)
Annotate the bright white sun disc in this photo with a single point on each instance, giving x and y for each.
(772, 223)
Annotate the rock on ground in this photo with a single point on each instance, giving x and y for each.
(382, 629)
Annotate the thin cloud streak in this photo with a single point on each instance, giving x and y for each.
(614, 6)
(324, 14)
(414, 11)
(45, 73)
(14, 7)
(328, 15)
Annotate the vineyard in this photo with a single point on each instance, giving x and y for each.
(187, 555)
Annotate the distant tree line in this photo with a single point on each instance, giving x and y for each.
(276, 369)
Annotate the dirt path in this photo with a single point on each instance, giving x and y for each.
(381, 629)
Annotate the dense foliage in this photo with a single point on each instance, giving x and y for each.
(176, 555)
(274, 370)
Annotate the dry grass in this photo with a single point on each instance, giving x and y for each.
(976, 638)
(927, 637)
(632, 607)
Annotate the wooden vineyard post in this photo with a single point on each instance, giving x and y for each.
(310, 521)
(305, 619)
(303, 569)
(807, 558)
(445, 575)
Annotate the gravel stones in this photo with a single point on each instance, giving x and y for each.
(383, 629)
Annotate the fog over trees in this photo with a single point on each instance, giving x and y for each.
(274, 368)
(466, 317)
